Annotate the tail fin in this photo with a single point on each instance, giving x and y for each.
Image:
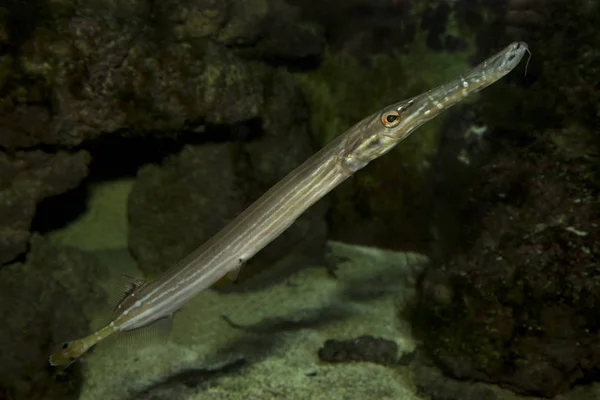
(69, 352)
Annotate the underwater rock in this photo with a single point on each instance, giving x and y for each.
(514, 300)
(517, 304)
(433, 384)
(212, 183)
(524, 16)
(44, 301)
(363, 27)
(271, 30)
(363, 348)
(290, 39)
(139, 68)
(26, 178)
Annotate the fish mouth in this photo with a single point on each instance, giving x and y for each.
(507, 60)
(428, 105)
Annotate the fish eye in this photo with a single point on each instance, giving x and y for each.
(65, 346)
(390, 119)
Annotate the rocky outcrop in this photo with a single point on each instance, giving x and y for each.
(107, 67)
(26, 178)
(46, 300)
(515, 300)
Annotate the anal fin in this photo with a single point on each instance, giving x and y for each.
(156, 333)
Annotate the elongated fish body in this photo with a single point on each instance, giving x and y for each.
(279, 207)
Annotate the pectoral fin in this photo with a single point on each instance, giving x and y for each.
(234, 273)
(231, 276)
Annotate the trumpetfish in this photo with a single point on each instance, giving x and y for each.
(262, 222)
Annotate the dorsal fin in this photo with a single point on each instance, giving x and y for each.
(117, 289)
(125, 285)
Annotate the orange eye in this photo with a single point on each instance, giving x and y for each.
(390, 119)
